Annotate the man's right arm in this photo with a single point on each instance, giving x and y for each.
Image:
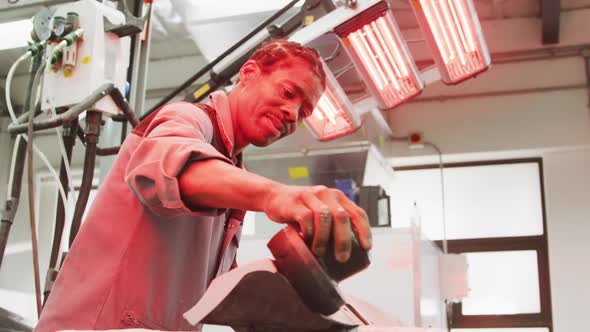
(216, 184)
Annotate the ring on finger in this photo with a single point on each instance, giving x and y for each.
(325, 216)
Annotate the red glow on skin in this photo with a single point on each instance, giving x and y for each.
(269, 106)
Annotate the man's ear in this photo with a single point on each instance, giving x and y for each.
(249, 71)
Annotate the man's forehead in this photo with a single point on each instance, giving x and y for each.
(300, 74)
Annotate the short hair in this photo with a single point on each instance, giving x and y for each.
(274, 53)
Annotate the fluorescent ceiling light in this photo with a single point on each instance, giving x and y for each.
(15, 34)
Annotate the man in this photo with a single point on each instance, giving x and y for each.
(155, 236)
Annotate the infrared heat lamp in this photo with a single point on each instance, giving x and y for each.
(454, 35)
(375, 45)
(333, 115)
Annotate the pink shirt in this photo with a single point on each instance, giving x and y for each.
(142, 257)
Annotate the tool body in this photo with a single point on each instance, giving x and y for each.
(315, 278)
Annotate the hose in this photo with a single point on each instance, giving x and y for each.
(67, 145)
(15, 121)
(92, 134)
(31, 173)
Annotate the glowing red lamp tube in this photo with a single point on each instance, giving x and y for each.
(454, 34)
(333, 116)
(374, 42)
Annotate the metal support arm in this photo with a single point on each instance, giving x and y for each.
(68, 116)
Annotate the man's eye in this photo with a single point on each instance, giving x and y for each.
(288, 94)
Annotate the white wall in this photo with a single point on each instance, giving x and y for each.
(567, 188)
(552, 119)
(553, 125)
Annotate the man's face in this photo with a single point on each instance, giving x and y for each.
(275, 103)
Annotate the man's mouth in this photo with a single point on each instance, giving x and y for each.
(278, 124)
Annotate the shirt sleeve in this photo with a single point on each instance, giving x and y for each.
(180, 133)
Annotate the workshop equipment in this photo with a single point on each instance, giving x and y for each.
(314, 278)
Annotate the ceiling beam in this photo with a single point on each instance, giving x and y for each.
(550, 10)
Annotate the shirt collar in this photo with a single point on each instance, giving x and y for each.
(218, 100)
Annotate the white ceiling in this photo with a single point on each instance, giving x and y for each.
(187, 34)
(169, 23)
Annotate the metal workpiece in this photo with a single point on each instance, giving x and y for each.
(291, 293)
(314, 278)
(257, 298)
(69, 115)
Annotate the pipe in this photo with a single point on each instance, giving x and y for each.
(99, 151)
(69, 115)
(119, 118)
(124, 106)
(108, 151)
(11, 204)
(13, 197)
(69, 137)
(23, 118)
(93, 119)
(210, 65)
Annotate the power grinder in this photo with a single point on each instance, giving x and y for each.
(314, 278)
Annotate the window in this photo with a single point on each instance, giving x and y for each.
(495, 214)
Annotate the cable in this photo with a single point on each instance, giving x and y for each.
(13, 164)
(62, 148)
(68, 39)
(23, 57)
(14, 120)
(335, 53)
(442, 185)
(32, 193)
(343, 70)
(68, 169)
(47, 163)
(16, 173)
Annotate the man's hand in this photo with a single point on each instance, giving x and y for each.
(321, 213)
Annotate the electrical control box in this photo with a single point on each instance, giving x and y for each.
(100, 57)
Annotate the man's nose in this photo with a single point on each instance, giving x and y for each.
(291, 112)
